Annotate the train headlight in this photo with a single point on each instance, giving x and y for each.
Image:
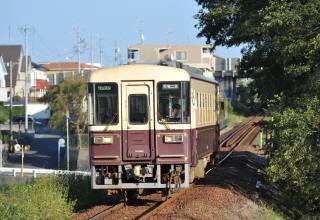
(175, 138)
(103, 140)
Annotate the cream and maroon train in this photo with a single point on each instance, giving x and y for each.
(137, 139)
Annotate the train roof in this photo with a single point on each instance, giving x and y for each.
(147, 72)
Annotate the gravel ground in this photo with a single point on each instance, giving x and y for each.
(228, 192)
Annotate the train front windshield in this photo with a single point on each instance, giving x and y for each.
(173, 102)
(106, 103)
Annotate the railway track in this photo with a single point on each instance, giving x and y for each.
(103, 214)
(148, 207)
(244, 133)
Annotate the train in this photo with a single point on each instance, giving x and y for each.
(151, 126)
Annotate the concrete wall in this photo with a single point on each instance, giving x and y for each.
(79, 159)
(3, 94)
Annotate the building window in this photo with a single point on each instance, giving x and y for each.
(133, 54)
(181, 55)
(206, 50)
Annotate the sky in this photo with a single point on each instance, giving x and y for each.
(53, 25)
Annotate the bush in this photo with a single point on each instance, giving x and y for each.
(16, 98)
(45, 198)
(79, 191)
(5, 112)
(234, 118)
(295, 155)
(51, 197)
(5, 136)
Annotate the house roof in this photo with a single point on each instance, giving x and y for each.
(66, 66)
(11, 53)
(42, 84)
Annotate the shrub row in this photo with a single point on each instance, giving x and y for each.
(47, 198)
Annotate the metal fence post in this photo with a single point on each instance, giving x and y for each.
(1, 152)
(22, 159)
(261, 138)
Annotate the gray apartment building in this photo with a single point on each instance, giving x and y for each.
(194, 55)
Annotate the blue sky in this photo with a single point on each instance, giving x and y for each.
(54, 23)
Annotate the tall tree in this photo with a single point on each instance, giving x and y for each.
(69, 95)
(281, 41)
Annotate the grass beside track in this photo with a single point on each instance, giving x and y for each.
(47, 198)
(233, 117)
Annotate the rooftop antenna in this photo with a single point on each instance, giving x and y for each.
(78, 48)
(169, 35)
(142, 38)
(188, 39)
(117, 54)
(141, 32)
(9, 30)
(100, 50)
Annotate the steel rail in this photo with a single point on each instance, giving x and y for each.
(248, 135)
(103, 214)
(234, 132)
(154, 210)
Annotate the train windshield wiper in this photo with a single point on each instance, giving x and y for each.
(112, 120)
(164, 123)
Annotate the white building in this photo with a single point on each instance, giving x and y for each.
(3, 90)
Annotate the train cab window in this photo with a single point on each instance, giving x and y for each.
(106, 101)
(174, 102)
(138, 109)
(222, 106)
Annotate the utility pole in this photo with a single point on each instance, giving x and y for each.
(91, 53)
(11, 64)
(79, 49)
(100, 50)
(11, 138)
(67, 124)
(26, 92)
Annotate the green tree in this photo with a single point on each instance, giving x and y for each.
(281, 53)
(281, 41)
(295, 156)
(69, 95)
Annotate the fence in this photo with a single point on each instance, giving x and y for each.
(79, 141)
(8, 171)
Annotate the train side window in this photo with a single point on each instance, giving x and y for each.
(138, 109)
(174, 102)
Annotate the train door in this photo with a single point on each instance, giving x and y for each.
(138, 121)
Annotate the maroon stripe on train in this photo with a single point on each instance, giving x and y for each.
(196, 143)
(138, 145)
